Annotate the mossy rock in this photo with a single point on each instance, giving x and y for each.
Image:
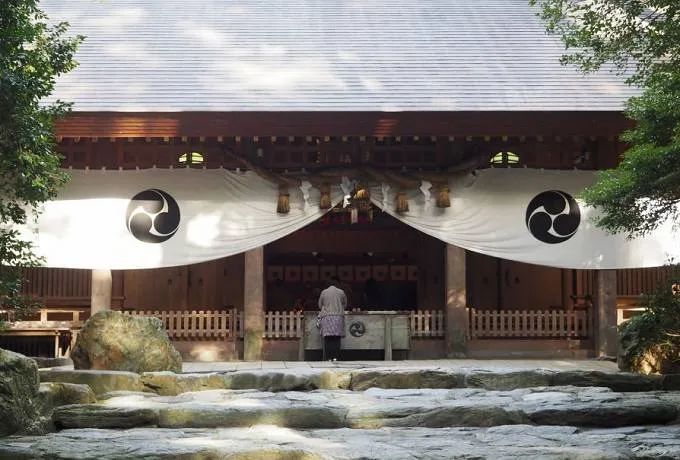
(110, 340)
(19, 400)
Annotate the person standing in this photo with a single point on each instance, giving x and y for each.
(331, 320)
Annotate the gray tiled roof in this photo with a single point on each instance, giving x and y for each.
(311, 55)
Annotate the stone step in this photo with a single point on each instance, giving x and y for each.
(168, 383)
(375, 408)
(263, 442)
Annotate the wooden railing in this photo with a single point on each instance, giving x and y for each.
(225, 324)
(283, 325)
(229, 324)
(529, 324)
(47, 318)
(277, 324)
(427, 323)
(196, 324)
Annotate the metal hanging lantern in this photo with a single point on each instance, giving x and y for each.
(362, 198)
(325, 199)
(443, 198)
(283, 203)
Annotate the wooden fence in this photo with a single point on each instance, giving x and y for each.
(283, 325)
(202, 324)
(277, 324)
(529, 324)
(47, 318)
(427, 324)
(196, 324)
(229, 324)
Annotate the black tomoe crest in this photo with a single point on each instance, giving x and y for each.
(553, 216)
(153, 216)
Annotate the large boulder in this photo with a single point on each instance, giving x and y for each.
(113, 341)
(19, 400)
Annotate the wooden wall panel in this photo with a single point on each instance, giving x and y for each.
(629, 282)
(509, 285)
(339, 241)
(633, 282)
(482, 281)
(210, 285)
(530, 287)
(217, 284)
(118, 284)
(160, 288)
(57, 283)
(231, 282)
(202, 280)
(584, 283)
(431, 256)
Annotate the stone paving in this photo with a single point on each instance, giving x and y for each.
(448, 364)
(374, 408)
(443, 409)
(265, 442)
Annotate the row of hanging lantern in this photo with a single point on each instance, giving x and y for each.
(360, 200)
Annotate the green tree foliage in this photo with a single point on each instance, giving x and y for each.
(650, 342)
(641, 39)
(32, 54)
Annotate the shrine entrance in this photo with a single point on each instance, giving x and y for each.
(382, 264)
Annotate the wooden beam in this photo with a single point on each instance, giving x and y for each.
(212, 124)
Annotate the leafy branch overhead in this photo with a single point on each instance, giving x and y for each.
(641, 39)
(33, 53)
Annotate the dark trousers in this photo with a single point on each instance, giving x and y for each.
(331, 347)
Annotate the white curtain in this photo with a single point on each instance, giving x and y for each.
(94, 223)
(495, 212)
(188, 216)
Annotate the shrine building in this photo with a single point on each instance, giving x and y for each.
(228, 158)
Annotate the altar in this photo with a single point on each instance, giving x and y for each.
(366, 330)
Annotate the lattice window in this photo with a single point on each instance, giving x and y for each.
(504, 159)
(191, 159)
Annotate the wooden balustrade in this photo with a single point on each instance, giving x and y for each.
(427, 323)
(283, 325)
(195, 324)
(47, 318)
(529, 324)
(228, 324)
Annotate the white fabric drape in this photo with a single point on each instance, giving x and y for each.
(221, 213)
(189, 216)
(488, 214)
